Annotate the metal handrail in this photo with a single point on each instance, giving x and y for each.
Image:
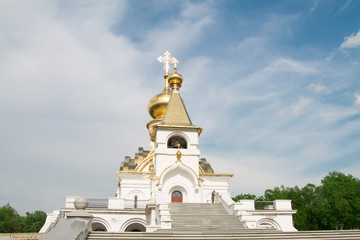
(98, 203)
(132, 203)
(264, 205)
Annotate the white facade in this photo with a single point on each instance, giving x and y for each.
(172, 170)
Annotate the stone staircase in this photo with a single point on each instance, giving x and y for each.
(211, 221)
(247, 234)
(202, 217)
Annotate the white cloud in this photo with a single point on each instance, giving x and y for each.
(279, 24)
(357, 99)
(178, 34)
(289, 65)
(351, 41)
(315, 5)
(318, 88)
(298, 108)
(75, 94)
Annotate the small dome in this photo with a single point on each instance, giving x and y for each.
(157, 104)
(175, 80)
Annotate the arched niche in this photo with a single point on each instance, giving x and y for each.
(135, 227)
(179, 173)
(100, 224)
(267, 223)
(96, 226)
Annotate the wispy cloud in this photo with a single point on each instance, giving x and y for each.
(344, 7)
(315, 5)
(300, 106)
(357, 99)
(318, 88)
(289, 65)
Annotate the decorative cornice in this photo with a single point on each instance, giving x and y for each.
(217, 174)
(133, 172)
(182, 127)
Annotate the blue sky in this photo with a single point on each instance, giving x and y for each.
(274, 84)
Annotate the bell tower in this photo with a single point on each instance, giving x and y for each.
(174, 140)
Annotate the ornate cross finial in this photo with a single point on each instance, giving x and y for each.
(167, 59)
(175, 62)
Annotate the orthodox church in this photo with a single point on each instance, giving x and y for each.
(170, 186)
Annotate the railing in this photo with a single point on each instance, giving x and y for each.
(98, 203)
(135, 203)
(264, 205)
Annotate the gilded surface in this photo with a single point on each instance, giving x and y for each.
(176, 113)
(157, 105)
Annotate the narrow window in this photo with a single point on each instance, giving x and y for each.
(135, 201)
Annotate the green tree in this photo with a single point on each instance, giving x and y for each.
(340, 201)
(335, 204)
(277, 193)
(10, 220)
(244, 196)
(34, 221)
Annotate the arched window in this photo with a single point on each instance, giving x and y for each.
(175, 141)
(176, 196)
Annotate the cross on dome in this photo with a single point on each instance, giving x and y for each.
(167, 59)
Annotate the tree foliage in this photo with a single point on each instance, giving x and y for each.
(244, 196)
(12, 222)
(34, 221)
(335, 204)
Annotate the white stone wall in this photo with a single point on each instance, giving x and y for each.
(132, 185)
(279, 218)
(118, 221)
(165, 157)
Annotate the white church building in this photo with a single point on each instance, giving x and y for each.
(172, 175)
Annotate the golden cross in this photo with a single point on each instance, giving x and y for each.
(167, 59)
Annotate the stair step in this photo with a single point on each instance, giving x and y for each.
(202, 217)
(246, 234)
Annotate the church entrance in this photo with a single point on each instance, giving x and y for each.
(176, 196)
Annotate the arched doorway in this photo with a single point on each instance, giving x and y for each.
(176, 196)
(135, 227)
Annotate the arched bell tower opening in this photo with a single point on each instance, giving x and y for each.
(177, 142)
(177, 196)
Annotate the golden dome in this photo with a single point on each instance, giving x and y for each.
(157, 104)
(175, 80)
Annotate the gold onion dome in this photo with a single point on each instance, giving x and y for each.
(157, 104)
